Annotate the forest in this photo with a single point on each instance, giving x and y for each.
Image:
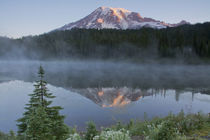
(183, 42)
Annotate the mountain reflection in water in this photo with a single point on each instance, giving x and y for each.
(105, 106)
(114, 97)
(119, 97)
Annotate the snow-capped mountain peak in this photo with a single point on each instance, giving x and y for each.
(116, 18)
(118, 12)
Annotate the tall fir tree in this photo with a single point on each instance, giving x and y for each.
(39, 126)
(40, 98)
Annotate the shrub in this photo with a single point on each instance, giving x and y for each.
(162, 131)
(91, 131)
(113, 135)
(138, 128)
(173, 127)
(74, 136)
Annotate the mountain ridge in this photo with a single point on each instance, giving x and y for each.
(117, 18)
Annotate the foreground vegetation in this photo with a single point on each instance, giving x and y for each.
(171, 127)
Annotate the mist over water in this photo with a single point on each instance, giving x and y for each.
(83, 74)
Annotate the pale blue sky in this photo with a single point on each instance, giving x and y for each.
(32, 17)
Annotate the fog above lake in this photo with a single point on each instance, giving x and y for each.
(83, 74)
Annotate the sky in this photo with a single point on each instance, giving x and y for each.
(33, 17)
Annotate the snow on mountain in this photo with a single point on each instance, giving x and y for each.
(117, 18)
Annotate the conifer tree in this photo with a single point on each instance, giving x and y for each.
(39, 126)
(40, 98)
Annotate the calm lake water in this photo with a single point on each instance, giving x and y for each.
(105, 92)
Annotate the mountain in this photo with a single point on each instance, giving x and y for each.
(183, 22)
(117, 18)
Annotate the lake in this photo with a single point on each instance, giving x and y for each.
(105, 91)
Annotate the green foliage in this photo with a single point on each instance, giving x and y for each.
(72, 130)
(130, 124)
(74, 136)
(170, 127)
(113, 135)
(138, 128)
(91, 131)
(39, 126)
(163, 131)
(40, 117)
(5, 136)
(119, 126)
(10, 136)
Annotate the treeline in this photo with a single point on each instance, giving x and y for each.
(181, 42)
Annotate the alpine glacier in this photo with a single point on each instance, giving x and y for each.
(117, 18)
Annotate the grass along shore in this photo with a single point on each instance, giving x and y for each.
(171, 127)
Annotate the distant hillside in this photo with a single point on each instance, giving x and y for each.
(183, 42)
